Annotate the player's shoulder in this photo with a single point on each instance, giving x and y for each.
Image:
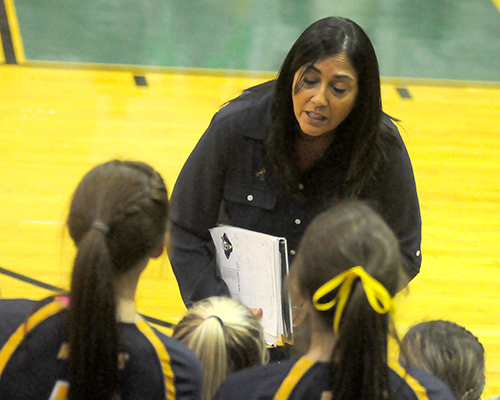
(181, 357)
(435, 388)
(242, 384)
(13, 313)
(10, 307)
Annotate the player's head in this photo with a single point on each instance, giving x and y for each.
(347, 269)
(122, 205)
(227, 337)
(117, 219)
(450, 352)
(348, 235)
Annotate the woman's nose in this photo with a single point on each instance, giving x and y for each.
(319, 98)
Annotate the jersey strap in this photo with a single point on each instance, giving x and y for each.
(293, 377)
(419, 390)
(17, 337)
(163, 357)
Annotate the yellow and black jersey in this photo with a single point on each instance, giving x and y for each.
(34, 349)
(304, 379)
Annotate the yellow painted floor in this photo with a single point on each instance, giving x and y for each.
(56, 123)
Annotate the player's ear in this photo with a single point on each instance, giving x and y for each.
(159, 248)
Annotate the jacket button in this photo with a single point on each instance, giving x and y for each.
(298, 221)
(249, 197)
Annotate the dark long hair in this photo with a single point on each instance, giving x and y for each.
(130, 201)
(358, 137)
(351, 234)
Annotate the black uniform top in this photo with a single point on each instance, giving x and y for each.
(305, 380)
(33, 352)
(227, 179)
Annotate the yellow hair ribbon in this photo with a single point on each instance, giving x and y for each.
(378, 296)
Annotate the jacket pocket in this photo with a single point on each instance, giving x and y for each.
(251, 196)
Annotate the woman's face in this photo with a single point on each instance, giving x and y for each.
(326, 96)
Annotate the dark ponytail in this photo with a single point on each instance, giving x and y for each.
(93, 330)
(360, 355)
(118, 216)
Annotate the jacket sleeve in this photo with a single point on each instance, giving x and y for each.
(195, 205)
(396, 199)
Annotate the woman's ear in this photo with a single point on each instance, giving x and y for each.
(159, 249)
(299, 303)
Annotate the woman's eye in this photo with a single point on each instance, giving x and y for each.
(339, 90)
(309, 82)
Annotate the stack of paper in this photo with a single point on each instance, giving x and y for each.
(254, 265)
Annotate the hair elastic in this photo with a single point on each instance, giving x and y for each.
(218, 319)
(378, 296)
(100, 226)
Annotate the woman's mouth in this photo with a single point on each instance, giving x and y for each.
(315, 117)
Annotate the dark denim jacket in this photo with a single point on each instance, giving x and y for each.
(226, 179)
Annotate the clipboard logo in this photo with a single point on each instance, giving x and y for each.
(226, 246)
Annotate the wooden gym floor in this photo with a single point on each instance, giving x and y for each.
(70, 99)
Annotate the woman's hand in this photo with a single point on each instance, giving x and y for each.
(257, 312)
